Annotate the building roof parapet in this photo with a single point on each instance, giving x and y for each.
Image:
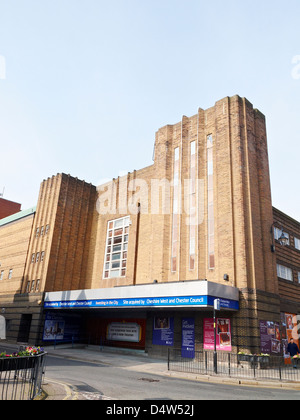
(17, 216)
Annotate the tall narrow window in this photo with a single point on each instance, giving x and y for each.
(175, 221)
(32, 286)
(192, 205)
(115, 261)
(37, 287)
(210, 203)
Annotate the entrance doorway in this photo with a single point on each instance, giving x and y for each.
(24, 328)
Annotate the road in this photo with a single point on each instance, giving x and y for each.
(93, 381)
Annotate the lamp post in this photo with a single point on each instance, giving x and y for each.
(216, 308)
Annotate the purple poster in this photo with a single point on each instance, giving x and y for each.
(269, 337)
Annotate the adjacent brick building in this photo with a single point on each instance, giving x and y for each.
(135, 261)
(7, 208)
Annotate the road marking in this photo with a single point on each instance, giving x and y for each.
(68, 388)
(95, 396)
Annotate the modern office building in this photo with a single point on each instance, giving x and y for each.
(138, 262)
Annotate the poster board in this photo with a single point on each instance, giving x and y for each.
(188, 338)
(288, 330)
(124, 331)
(61, 327)
(269, 337)
(274, 337)
(223, 334)
(163, 331)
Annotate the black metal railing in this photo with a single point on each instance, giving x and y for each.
(21, 377)
(234, 365)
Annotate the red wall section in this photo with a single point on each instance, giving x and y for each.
(7, 208)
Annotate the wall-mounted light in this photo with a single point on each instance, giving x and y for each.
(283, 239)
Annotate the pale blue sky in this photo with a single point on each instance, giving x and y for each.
(88, 83)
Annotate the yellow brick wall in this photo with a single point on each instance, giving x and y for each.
(74, 247)
(14, 243)
(242, 204)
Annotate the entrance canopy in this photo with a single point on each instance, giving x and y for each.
(184, 294)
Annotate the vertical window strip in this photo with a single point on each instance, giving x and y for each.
(175, 218)
(210, 203)
(192, 222)
(115, 261)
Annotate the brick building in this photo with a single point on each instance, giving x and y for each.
(139, 261)
(7, 208)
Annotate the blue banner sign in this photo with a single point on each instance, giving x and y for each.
(188, 338)
(163, 331)
(171, 301)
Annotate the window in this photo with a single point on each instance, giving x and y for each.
(10, 273)
(37, 285)
(115, 261)
(298, 276)
(42, 256)
(192, 204)
(285, 273)
(210, 203)
(1, 274)
(37, 257)
(47, 229)
(175, 219)
(33, 258)
(42, 230)
(278, 232)
(297, 243)
(37, 232)
(32, 286)
(27, 287)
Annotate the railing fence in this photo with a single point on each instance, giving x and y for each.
(21, 377)
(233, 365)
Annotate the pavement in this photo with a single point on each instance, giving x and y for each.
(54, 390)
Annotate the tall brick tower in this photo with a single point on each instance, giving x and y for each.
(233, 234)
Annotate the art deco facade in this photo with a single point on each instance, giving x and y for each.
(139, 256)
